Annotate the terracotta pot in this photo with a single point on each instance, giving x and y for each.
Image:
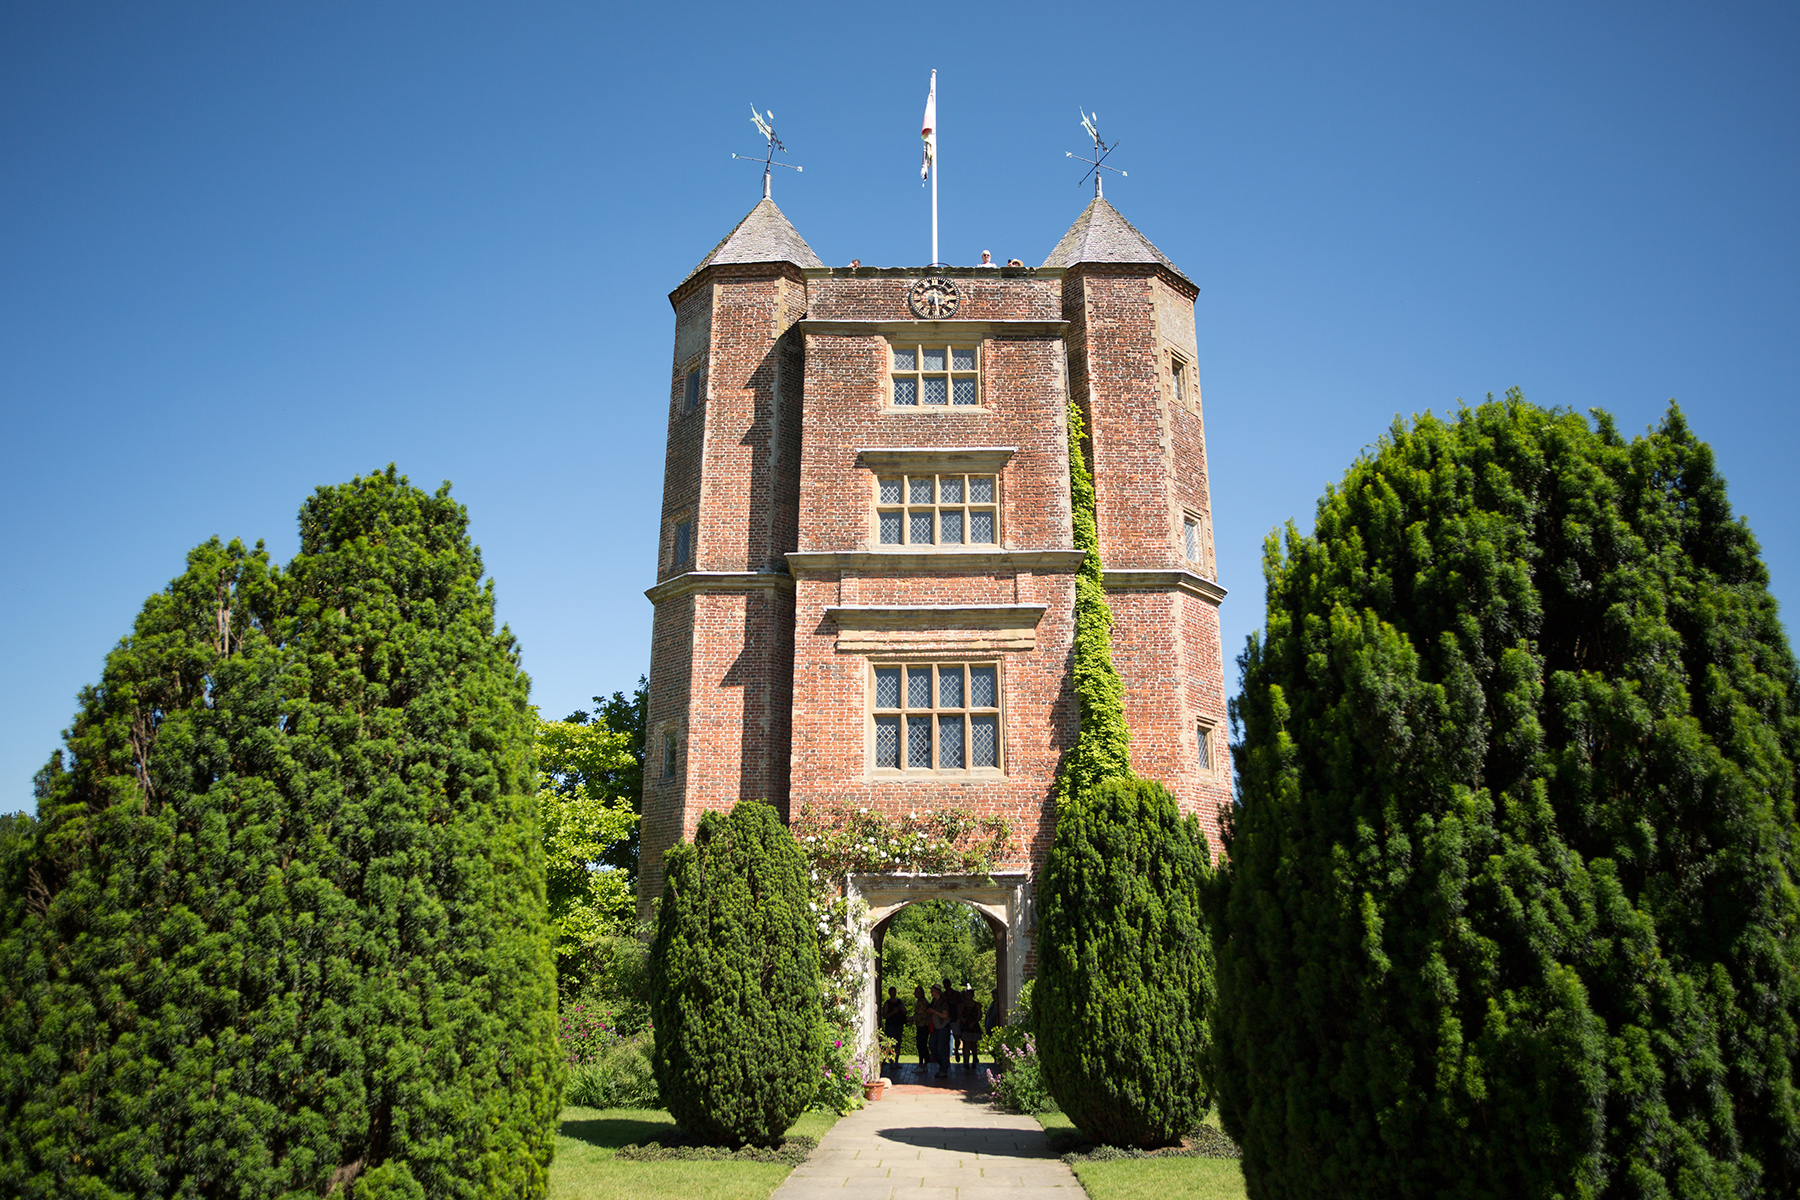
(872, 1091)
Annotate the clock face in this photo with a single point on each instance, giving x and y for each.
(932, 298)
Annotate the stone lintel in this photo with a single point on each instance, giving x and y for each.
(935, 458)
(936, 628)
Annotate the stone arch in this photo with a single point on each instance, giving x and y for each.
(1004, 899)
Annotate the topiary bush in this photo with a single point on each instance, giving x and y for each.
(279, 925)
(1124, 976)
(1510, 905)
(734, 978)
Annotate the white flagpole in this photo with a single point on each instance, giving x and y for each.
(934, 256)
(928, 131)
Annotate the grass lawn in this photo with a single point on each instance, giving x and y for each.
(1154, 1178)
(585, 1168)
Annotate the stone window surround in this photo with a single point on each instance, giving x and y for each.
(874, 774)
(673, 544)
(935, 460)
(965, 510)
(1191, 520)
(695, 366)
(1208, 759)
(1181, 379)
(977, 330)
(936, 338)
(668, 742)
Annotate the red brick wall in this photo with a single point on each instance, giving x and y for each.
(1127, 420)
(1024, 396)
(1166, 649)
(671, 670)
(721, 663)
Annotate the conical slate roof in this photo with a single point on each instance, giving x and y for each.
(765, 235)
(1101, 235)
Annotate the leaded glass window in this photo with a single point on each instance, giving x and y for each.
(939, 510)
(928, 375)
(936, 717)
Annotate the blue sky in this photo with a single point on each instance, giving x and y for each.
(249, 249)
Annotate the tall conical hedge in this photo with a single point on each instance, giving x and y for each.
(734, 978)
(1510, 907)
(279, 926)
(1124, 977)
(1125, 969)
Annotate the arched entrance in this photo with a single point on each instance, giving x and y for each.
(1004, 899)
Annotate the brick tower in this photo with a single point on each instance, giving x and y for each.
(866, 576)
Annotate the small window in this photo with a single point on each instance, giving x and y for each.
(1205, 743)
(1178, 379)
(1190, 538)
(934, 376)
(684, 542)
(937, 510)
(936, 717)
(693, 390)
(668, 756)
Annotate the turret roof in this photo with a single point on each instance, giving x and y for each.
(1101, 235)
(764, 235)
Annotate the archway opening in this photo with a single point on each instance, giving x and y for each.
(953, 944)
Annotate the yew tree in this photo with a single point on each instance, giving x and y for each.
(1510, 902)
(734, 980)
(278, 927)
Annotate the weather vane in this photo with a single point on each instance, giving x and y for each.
(1096, 164)
(767, 129)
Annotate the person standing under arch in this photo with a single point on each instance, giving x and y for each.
(893, 1021)
(921, 1019)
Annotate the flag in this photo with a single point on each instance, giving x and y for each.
(928, 130)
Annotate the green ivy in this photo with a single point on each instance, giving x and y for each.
(1102, 748)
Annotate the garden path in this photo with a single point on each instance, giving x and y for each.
(943, 1143)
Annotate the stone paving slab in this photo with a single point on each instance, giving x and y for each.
(937, 1144)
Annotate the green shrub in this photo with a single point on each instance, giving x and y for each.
(794, 1150)
(616, 1076)
(279, 925)
(735, 980)
(1124, 968)
(1017, 1078)
(1001, 1039)
(842, 1073)
(1510, 907)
